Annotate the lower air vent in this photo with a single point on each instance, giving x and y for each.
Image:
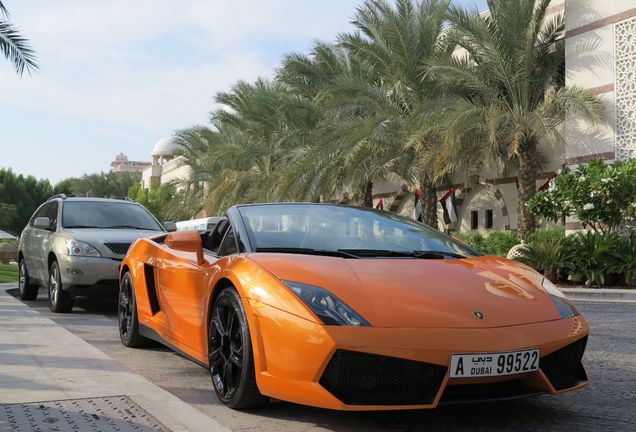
(563, 367)
(463, 393)
(357, 378)
(118, 248)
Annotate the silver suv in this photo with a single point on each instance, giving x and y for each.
(74, 247)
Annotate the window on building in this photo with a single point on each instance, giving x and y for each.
(474, 219)
(489, 221)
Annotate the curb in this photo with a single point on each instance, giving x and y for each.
(44, 362)
(610, 295)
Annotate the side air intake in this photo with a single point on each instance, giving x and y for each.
(149, 272)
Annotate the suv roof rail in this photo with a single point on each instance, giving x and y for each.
(124, 198)
(61, 195)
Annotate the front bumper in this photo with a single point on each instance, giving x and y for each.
(302, 368)
(87, 271)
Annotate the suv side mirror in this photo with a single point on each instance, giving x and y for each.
(186, 241)
(170, 226)
(42, 223)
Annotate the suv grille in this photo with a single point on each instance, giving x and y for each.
(118, 248)
(357, 378)
(563, 367)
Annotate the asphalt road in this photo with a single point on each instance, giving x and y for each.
(608, 404)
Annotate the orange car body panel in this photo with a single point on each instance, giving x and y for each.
(418, 310)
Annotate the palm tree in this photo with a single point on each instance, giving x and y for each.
(104, 185)
(258, 131)
(14, 46)
(396, 42)
(336, 153)
(508, 84)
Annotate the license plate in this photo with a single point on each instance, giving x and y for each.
(493, 364)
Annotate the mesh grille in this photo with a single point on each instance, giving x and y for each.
(118, 248)
(357, 378)
(563, 367)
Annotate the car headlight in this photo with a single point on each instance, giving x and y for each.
(78, 248)
(327, 307)
(565, 307)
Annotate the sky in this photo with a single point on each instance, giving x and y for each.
(118, 75)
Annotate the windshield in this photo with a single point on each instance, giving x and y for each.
(339, 228)
(107, 214)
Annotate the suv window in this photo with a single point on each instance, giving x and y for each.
(107, 214)
(228, 245)
(51, 213)
(41, 212)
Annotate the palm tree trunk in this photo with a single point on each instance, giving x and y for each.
(367, 199)
(527, 186)
(429, 201)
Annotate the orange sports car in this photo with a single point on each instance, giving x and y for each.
(349, 308)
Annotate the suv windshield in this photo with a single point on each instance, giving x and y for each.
(348, 230)
(107, 214)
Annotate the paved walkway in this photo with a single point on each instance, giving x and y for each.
(50, 379)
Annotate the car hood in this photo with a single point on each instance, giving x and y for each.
(424, 293)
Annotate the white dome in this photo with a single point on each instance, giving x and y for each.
(165, 147)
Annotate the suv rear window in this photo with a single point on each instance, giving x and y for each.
(107, 214)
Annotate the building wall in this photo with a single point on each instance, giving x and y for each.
(175, 171)
(601, 57)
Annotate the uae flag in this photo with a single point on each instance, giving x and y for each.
(449, 206)
(418, 206)
(380, 204)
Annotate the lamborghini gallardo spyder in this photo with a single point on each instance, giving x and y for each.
(349, 308)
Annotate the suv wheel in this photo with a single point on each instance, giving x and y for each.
(59, 300)
(27, 290)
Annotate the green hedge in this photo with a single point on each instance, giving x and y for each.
(496, 243)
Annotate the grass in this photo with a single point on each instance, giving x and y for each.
(8, 273)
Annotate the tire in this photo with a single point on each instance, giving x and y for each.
(26, 290)
(59, 300)
(230, 353)
(127, 314)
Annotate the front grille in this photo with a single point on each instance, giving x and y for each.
(461, 393)
(357, 378)
(118, 248)
(563, 367)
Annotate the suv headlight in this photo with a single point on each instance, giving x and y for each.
(327, 307)
(565, 307)
(78, 248)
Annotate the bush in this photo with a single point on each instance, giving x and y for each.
(550, 254)
(547, 235)
(497, 243)
(600, 195)
(594, 254)
(475, 241)
(624, 259)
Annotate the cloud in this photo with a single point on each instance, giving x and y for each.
(134, 71)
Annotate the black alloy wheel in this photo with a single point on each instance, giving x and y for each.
(230, 353)
(127, 314)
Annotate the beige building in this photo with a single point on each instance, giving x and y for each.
(600, 56)
(122, 164)
(166, 165)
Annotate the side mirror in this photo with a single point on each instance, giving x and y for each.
(170, 226)
(186, 241)
(42, 223)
